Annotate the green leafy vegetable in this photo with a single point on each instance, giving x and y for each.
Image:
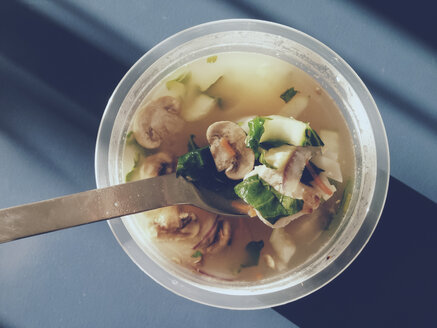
(272, 144)
(344, 204)
(196, 165)
(132, 172)
(265, 199)
(312, 138)
(263, 161)
(288, 94)
(211, 59)
(256, 129)
(197, 254)
(140, 153)
(183, 78)
(253, 250)
(288, 130)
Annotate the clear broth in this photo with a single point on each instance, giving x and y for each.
(251, 85)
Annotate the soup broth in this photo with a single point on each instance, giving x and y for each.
(241, 85)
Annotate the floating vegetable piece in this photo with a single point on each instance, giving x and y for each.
(288, 94)
(345, 200)
(183, 78)
(295, 106)
(253, 250)
(199, 108)
(196, 165)
(177, 89)
(330, 139)
(266, 200)
(269, 261)
(211, 59)
(289, 131)
(256, 130)
(130, 175)
(274, 130)
(139, 153)
(282, 244)
(278, 157)
(330, 166)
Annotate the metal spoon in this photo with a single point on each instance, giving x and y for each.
(107, 203)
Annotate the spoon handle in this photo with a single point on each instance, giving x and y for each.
(91, 206)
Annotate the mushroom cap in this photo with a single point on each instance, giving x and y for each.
(157, 121)
(173, 223)
(238, 165)
(157, 164)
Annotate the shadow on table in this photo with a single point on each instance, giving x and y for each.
(59, 57)
(55, 82)
(392, 282)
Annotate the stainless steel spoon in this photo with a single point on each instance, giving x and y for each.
(107, 203)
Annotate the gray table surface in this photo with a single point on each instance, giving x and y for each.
(59, 63)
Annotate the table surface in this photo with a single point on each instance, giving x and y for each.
(59, 63)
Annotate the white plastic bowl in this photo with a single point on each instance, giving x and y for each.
(342, 84)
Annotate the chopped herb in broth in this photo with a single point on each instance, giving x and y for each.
(288, 94)
(226, 126)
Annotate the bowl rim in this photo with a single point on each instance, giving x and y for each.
(352, 250)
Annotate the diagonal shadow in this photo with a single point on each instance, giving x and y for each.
(73, 67)
(392, 282)
(119, 46)
(402, 104)
(418, 18)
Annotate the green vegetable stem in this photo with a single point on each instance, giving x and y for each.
(256, 129)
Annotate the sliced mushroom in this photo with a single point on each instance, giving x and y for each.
(228, 148)
(221, 239)
(158, 164)
(175, 224)
(217, 237)
(157, 121)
